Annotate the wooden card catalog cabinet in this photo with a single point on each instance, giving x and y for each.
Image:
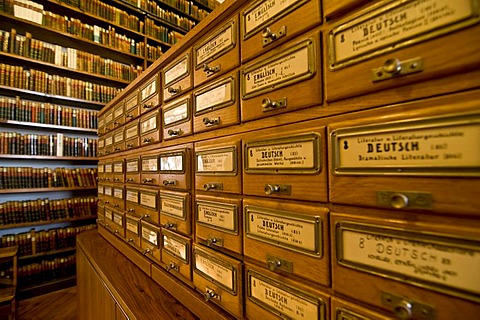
(118, 224)
(219, 278)
(268, 23)
(288, 78)
(176, 255)
(150, 128)
(131, 108)
(132, 169)
(177, 77)
(288, 238)
(175, 211)
(118, 173)
(218, 53)
(150, 240)
(215, 104)
(149, 169)
(108, 145)
(425, 159)
(345, 310)
(118, 139)
(176, 167)
(149, 94)
(146, 205)
(118, 115)
(218, 223)
(177, 118)
(270, 296)
(426, 267)
(132, 229)
(402, 43)
(218, 164)
(132, 135)
(289, 166)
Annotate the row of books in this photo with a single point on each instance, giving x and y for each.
(18, 109)
(36, 80)
(45, 210)
(35, 242)
(30, 178)
(46, 271)
(161, 33)
(26, 9)
(153, 52)
(168, 16)
(26, 46)
(47, 145)
(185, 6)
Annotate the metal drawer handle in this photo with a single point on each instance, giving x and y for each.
(273, 264)
(129, 116)
(169, 225)
(130, 145)
(147, 140)
(173, 90)
(211, 70)
(210, 294)
(130, 180)
(130, 210)
(277, 189)
(269, 36)
(169, 183)
(268, 104)
(395, 68)
(148, 180)
(173, 133)
(148, 105)
(172, 266)
(211, 122)
(146, 251)
(212, 186)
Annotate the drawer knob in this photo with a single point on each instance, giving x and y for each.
(212, 186)
(129, 116)
(148, 180)
(273, 264)
(169, 182)
(147, 140)
(399, 201)
(148, 105)
(173, 90)
(392, 66)
(130, 180)
(172, 266)
(403, 310)
(130, 210)
(269, 36)
(268, 104)
(210, 70)
(169, 225)
(218, 242)
(174, 133)
(145, 216)
(130, 145)
(146, 251)
(277, 189)
(210, 294)
(211, 122)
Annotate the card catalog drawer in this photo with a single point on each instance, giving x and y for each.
(108, 143)
(150, 237)
(288, 166)
(108, 117)
(290, 238)
(176, 255)
(218, 222)
(219, 278)
(149, 169)
(118, 115)
(132, 170)
(101, 214)
(347, 310)
(402, 44)
(132, 229)
(108, 171)
(288, 78)
(218, 164)
(101, 171)
(176, 211)
(118, 223)
(176, 167)
(101, 194)
(132, 135)
(101, 125)
(101, 145)
(118, 172)
(108, 217)
(177, 118)
(149, 94)
(271, 296)
(118, 140)
(147, 205)
(268, 23)
(150, 126)
(177, 77)
(402, 265)
(107, 194)
(217, 53)
(131, 107)
(215, 105)
(118, 201)
(425, 156)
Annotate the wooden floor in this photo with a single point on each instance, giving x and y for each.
(57, 305)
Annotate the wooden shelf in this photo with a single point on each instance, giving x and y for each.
(48, 253)
(28, 157)
(42, 223)
(45, 125)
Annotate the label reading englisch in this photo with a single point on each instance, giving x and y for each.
(218, 216)
(215, 162)
(214, 270)
(221, 41)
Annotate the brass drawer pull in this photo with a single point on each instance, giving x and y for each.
(211, 70)
(173, 90)
(174, 133)
(269, 36)
(269, 105)
(211, 122)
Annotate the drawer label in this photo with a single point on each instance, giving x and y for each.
(118, 167)
(176, 114)
(397, 25)
(132, 196)
(218, 215)
(150, 235)
(149, 164)
(176, 247)
(118, 112)
(100, 168)
(443, 146)
(101, 143)
(173, 206)
(101, 122)
(132, 225)
(291, 66)
(216, 45)
(177, 71)
(131, 132)
(293, 154)
(215, 270)
(108, 191)
(109, 117)
(108, 141)
(301, 233)
(118, 219)
(148, 200)
(132, 166)
(445, 264)
(118, 137)
(217, 161)
(148, 125)
(109, 214)
(108, 168)
(282, 300)
(101, 189)
(148, 90)
(216, 96)
(171, 163)
(118, 193)
(131, 103)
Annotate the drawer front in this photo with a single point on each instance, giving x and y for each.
(176, 167)
(101, 214)
(101, 125)
(333, 8)
(118, 115)
(177, 118)
(150, 128)
(271, 296)
(132, 170)
(347, 310)
(149, 94)
(287, 166)
(176, 212)
(267, 24)
(118, 199)
(118, 223)
(147, 205)
(131, 107)
(150, 238)
(118, 140)
(369, 52)
(108, 172)
(107, 194)
(132, 229)
(407, 162)
(215, 105)
(288, 238)
(218, 164)
(176, 255)
(132, 135)
(428, 261)
(149, 169)
(218, 222)
(286, 79)
(101, 145)
(108, 120)
(219, 278)
(108, 143)
(101, 194)
(101, 171)
(177, 77)
(118, 172)
(218, 53)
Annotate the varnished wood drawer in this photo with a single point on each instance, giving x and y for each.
(177, 77)
(402, 44)
(150, 240)
(215, 104)
(107, 194)
(343, 309)
(101, 171)
(176, 212)
(118, 139)
(421, 155)
(219, 278)
(101, 194)
(118, 115)
(149, 174)
(108, 117)
(287, 78)
(176, 167)
(101, 214)
(101, 145)
(270, 296)
(218, 164)
(101, 124)
(267, 24)
(150, 128)
(118, 171)
(149, 94)
(118, 196)
(132, 229)
(177, 118)
(118, 223)
(108, 217)
(218, 222)
(108, 171)
(289, 165)
(334, 8)
(132, 169)
(176, 255)
(387, 259)
(217, 53)
(146, 205)
(131, 107)
(132, 135)
(108, 143)
(290, 238)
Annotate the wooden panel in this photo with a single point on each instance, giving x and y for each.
(343, 309)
